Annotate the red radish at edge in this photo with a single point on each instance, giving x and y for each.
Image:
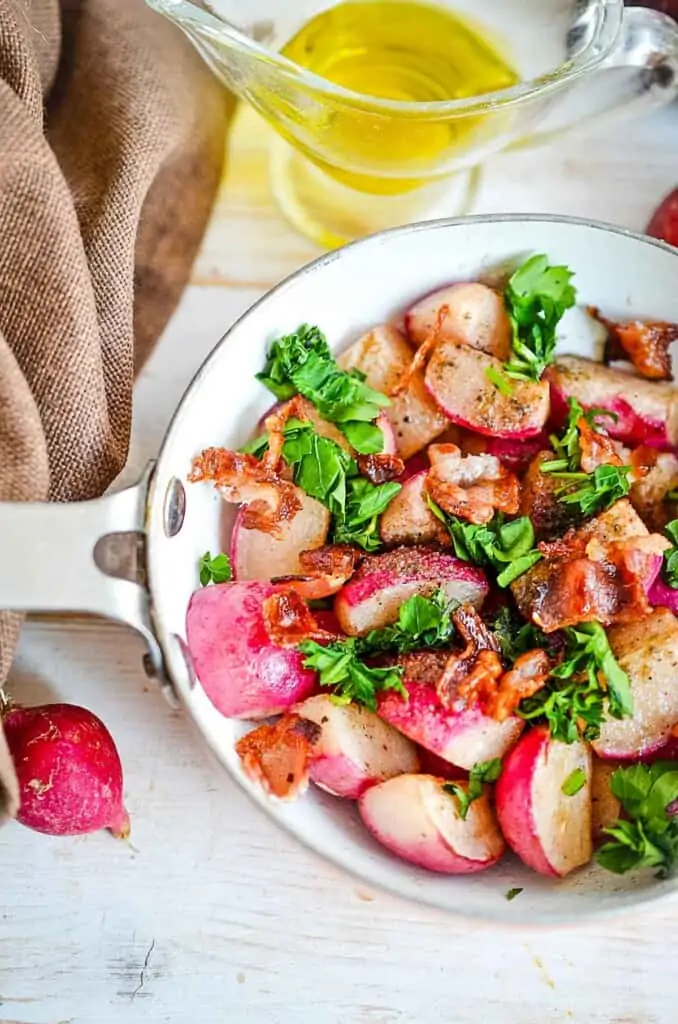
(69, 771)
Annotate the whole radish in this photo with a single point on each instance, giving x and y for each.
(69, 770)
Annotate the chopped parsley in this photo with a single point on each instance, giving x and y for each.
(339, 666)
(670, 567)
(482, 772)
(325, 471)
(536, 297)
(301, 363)
(505, 546)
(590, 492)
(574, 782)
(512, 893)
(501, 383)
(586, 686)
(423, 623)
(214, 570)
(647, 836)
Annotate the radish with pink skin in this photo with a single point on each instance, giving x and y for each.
(648, 652)
(661, 595)
(373, 596)
(547, 828)
(242, 672)
(468, 312)
(257, 555)
(457, 380)
(645, 411)
(414, 818)
(69, 771)
(356, 748)
(462, 736)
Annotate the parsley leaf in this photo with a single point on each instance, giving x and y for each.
(501, 383)
(423, 623)
(575, 781)
(670, 568)
(301, 363)
(512, 893)
(359, 521)
(482, 772)
(506, 547)
(214, 570)
(648, 836)
(339, 667)
(588, 682)
(536, 297)
(597, 491)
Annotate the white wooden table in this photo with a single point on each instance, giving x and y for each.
(210, 913)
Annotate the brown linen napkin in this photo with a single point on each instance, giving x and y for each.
(111, 142)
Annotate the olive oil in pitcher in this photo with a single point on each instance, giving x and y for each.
(404, 51)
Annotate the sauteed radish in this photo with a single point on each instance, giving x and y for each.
(448, 551)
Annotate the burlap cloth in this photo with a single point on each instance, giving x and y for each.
(111, 140)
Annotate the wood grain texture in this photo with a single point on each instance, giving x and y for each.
(210, 913)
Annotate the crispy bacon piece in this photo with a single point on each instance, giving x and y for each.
(278, 756)
(275, 423)
(529, 673)
(650, 490)
(243, 478)
(645, 344)
(582, 579)
(479, 662)
(421, 666)
(471, 486)
(480, 685)
(380, 467)
(326, 570)
(539, 500)
(288, 620)
(596, 449)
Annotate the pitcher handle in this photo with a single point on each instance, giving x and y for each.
(640, 74)
(87, 556)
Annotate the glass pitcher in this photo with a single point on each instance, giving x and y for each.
(345, 164)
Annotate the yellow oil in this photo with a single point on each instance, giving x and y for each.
(396, 50)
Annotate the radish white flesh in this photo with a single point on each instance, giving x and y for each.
(242, 672)
(408, 518)
(256, 555)
(418, 821)
(468, 312)
(648, 652)
(356, 749)
(645, 411)
(372, 597)
(605, 807)
(549, 830)
(457, 380)
(384, 356)
(461, 736)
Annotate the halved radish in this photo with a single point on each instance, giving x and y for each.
(408, 518)
(548, 829)
(461, 736)
(375, 592)
(468, 312)
(645, 411)
(648, 652)
(256, 555)
(457, 380)
(240, 670)
(418, 821)
(356, 748)
(384, 356)
(516, 455)
(605, 806)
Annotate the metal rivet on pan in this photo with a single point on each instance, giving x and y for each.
(175, 507)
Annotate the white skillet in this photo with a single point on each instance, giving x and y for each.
(133, 556)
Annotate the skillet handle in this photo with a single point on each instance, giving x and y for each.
(87, 556)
